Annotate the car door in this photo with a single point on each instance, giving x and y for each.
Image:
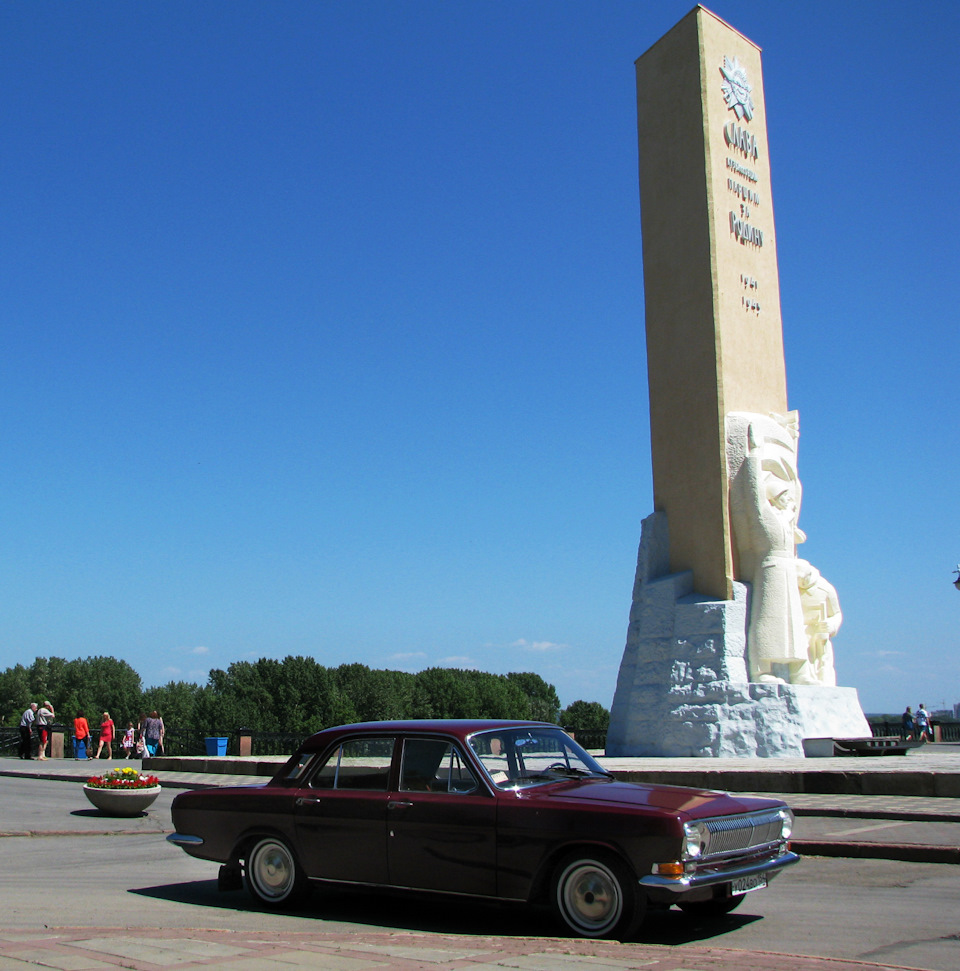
(341, 813)
(441, 822)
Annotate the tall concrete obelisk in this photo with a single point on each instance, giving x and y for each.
(711, 288)
(723, 655)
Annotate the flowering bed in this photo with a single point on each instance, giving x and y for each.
(125, 778)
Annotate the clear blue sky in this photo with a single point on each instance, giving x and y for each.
(323, 330)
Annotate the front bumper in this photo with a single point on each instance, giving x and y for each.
(710, 876)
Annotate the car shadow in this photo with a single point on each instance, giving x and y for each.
(671, 927)
(437, 914)
(393, 910)
(99, 814)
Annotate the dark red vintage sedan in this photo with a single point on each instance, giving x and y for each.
(508, 810)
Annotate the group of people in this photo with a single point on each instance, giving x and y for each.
(144, 739)
(36, 719)
(916, 724)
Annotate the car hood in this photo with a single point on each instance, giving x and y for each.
(685, 802)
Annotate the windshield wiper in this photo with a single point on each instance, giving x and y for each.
(577, 773)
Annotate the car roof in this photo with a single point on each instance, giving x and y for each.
(458, 728)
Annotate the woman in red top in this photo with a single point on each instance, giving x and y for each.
(106, 736)
(81, 736)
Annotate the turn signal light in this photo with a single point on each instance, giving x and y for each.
(669, 869)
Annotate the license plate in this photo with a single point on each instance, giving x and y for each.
(745, 884)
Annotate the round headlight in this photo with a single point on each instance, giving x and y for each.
(786, 823)
(696, 837)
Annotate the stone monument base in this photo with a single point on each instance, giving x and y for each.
(723, 719)
(683, 689)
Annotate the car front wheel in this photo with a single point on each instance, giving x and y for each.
(273, 875)
(597, 896)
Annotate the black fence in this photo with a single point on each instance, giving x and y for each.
(177, 742)
(189, 741)
(947, 731)
(193, 741)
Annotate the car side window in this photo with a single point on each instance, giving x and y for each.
(432, 765)
(359, 763)
(299, 768)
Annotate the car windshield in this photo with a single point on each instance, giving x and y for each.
(519, 757)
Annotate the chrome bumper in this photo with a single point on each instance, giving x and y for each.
(693, 880)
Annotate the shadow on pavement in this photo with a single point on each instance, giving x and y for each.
(673, 927)
(425, 913)
(97, 814)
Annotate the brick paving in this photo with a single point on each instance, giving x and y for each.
(156, 950)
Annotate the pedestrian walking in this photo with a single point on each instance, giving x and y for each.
(128, 742)
(153, 732)
(106, 736)
(26, 730)
(921, 722)
(906, 724)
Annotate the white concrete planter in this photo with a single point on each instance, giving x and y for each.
(121, 802)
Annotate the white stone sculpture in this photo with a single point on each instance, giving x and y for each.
(683, 688)
(822, 619)
(751, 676)
(764, 508)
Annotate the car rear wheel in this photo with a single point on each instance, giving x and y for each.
(711, 908)
(273, 875)
(597, 896)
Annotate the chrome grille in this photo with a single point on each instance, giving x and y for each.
(729, 834)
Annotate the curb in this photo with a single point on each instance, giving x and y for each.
(907, 815)
(58, 777)
(903, 852)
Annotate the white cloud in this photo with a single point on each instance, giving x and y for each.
(539, 646)
(460, 662)
(198, 650)
(411, 656)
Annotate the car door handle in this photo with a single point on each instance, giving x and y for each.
(399, 804)
(303, 801)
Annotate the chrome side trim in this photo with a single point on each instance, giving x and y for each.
(182, 839)
(691, 881)
(400, 886)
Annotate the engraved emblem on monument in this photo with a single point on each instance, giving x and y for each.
(736, 88)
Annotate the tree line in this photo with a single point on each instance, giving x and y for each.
(295, 695)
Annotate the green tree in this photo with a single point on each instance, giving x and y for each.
(176, 703)
(444, 693)
(586, 716)
(14, 694)
(544, 705)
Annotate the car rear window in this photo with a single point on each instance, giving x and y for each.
(359, 763)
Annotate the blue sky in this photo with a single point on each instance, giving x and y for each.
(323, 331)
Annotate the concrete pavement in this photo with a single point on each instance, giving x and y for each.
(871, 807)
(868, 809)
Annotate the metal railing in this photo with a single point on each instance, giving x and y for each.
(947, 731)
(191, 741)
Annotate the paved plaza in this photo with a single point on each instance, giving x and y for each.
(892, 824)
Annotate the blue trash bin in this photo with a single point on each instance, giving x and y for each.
(216, 746)
(80, 748)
